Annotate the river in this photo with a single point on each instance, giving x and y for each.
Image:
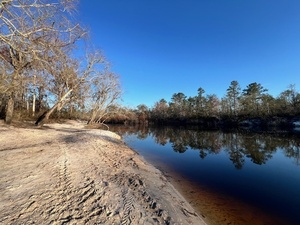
(228, 177)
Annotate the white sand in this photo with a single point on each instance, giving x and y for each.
(65, 174)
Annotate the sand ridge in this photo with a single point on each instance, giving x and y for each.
(65, 174)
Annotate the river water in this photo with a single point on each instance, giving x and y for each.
(229, 178)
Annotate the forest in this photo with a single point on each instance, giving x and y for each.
(252, 101)
(251, 106)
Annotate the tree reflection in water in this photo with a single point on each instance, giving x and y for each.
(238, 146)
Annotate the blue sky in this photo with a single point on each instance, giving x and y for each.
(162, 47)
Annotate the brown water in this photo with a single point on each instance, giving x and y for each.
(229, 178)
(217, 208)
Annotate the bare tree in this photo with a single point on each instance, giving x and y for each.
(105, 90)
(93, 84)
(212, 105)
(143, 113)
(64, 79)
(31, 30)
(160, 110)
(289, 99)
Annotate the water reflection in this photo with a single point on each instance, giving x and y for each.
(258, 170)
(259, 148)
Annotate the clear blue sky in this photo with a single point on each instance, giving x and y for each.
(162, 47)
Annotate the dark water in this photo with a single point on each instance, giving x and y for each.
(258, 172)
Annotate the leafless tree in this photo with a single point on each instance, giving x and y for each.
(93, 84)
(31, 31)
(105, 90)
(63, 80)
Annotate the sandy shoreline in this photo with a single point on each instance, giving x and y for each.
(65, 174)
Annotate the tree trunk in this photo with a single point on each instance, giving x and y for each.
(33, 104)
(2, 108)
(27, 106)
(93, 117)
(34, 95)
(45, 116)
(9, 111)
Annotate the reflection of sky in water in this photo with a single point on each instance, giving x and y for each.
(274, 185)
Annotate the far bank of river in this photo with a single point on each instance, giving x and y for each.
(231, 178)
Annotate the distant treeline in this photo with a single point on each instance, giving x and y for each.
(252, 106)
(237, 145)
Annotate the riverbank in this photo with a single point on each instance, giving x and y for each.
(272, 124)
(225, 176)
(66, 174)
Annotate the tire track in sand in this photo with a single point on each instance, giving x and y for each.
(135, 198)
(76, 203)
(75, 176)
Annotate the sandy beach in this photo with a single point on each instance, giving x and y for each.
(66, 174)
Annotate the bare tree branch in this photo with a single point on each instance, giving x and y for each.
(32, 32)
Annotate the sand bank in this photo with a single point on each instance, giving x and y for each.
(65, 174)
